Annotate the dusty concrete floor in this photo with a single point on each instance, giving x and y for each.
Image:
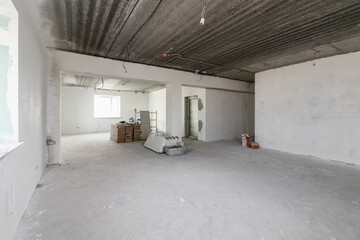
(218, 190)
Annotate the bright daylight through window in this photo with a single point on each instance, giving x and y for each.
(9, 132)
(8, 72)
(106, 106)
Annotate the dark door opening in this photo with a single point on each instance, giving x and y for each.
(191, 117)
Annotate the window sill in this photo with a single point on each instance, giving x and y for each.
(107, 117)
(7, 148)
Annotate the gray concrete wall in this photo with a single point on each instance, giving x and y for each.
(312, 108)
(22, 168)
(228, 114)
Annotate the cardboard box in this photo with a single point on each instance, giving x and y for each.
(129, 133)
(137, 127)
(129, 130)
(137, 136)
(117, 133)
(129, 138)
(137, 132)
(125, 133)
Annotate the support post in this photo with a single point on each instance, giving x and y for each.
(53, 113)
(173, 109)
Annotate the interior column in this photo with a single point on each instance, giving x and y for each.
(53, 114)
(173, 109)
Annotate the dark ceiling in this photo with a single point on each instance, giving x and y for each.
(238, 34)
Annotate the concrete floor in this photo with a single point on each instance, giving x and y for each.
(218, 190)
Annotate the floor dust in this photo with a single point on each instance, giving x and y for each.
(217, 190)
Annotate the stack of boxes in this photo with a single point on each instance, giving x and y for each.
(129, 133)
(137, 132)
(125, 132)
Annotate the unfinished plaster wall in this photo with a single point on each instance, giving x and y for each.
(201, 94)
(157, 102)
(229, 114)
(312, 110)
(96, 66)
(21, 169)
(77, 109)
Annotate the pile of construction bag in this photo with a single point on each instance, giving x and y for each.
(160, 142)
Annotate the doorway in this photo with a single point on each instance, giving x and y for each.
(191, 117)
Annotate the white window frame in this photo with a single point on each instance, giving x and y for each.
(112, 114)
(9, 140)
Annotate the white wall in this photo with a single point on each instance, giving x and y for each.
(312, 110)
(228, 114)
(201, 93)
(23, 168)
(225, 114)
(95, 66)
(173, 109)
(157, 102)
(77, 109)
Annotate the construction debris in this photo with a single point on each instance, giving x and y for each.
(159, 142)
(246, 142)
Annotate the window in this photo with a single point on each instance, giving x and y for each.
(8, 72)
(8, 78)
(106, 106)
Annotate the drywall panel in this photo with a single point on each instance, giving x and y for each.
(157, 102)
(229, 114)
(21, 170)
(311, 108)
(77, 109)
(201, 94)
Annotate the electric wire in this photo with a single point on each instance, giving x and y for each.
(124, 67)
(139, 29)
(204, 8)
(118, 33)
(127, 58)
(317, 44)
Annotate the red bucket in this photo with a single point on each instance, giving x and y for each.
(248, 141)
